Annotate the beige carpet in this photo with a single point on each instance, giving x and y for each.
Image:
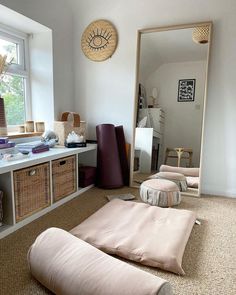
(209, 259)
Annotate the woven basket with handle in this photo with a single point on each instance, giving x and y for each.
(65, 126)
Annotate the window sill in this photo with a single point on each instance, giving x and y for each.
(13, 135)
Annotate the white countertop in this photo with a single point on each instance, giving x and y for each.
(34, 159)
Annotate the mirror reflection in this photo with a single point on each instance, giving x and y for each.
(170, 105)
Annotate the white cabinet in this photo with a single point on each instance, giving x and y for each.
(150, 140)
(83, 156)
(155, 119)
(143, 144)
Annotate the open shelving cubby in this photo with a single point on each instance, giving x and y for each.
(85, 156)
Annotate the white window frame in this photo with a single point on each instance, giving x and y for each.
(22, 69)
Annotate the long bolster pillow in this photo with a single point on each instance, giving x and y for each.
(67, 265)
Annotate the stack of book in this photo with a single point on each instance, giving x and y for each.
(5, 143)
(34, 147)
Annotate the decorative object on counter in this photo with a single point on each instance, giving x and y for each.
(74, 140)
(7, 145)
(75, 144)
(15, 157)
(22, 129)
(99, 40)
(50, 138)
(4, 140)
(3, 123)
(186, 90)
(35, 147)
(108, 160)
(73, 137)
(1, 207)
(39, 126)
(87, 175)
(200, 35)
(120, 137)
(29, 126)
(69, 122)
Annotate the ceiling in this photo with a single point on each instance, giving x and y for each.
(172, 46)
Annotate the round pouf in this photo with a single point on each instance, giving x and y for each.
(160, 192)
(177, 178)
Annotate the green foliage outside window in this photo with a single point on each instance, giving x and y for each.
(12, 90)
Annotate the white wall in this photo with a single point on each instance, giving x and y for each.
(41, 75)
(55, 14)
(105, 91)
(183, 120)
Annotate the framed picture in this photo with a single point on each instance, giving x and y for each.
(186, 90)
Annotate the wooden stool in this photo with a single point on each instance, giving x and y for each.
(179, 155)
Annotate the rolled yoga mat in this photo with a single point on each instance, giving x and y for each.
(120, 136)
(108, 160)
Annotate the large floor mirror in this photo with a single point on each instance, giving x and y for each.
(171, 89)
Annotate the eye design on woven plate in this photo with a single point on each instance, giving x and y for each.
(98, 40)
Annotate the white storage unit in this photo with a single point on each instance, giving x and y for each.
(156, 122)
(155, 119)
(85, 156)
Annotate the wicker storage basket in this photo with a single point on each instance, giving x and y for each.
(32, 190)
(63, 127)
(63, 177)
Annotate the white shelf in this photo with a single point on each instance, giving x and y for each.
(85, 156)
(34, 159)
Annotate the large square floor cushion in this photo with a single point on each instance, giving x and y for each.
(67, 265)
(140, 232)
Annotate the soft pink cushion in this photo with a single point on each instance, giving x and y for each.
(185, 171)
(192, 181)
(147, 234)
(68, 266)
(169, 175)
(162, 185)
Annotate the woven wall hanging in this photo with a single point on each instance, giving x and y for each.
(99, 40)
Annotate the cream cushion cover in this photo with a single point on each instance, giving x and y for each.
(147, 234)
(68, 266)
(192, 181)
(177, 178)
(194, 172)
(160, 192)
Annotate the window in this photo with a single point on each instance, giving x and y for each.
(14, 87)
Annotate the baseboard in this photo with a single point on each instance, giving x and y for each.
(214, 191)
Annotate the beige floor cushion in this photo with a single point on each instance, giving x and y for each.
(147, 234)
(67, 265)
(194, 172)
(192, 181)
(160, 192)
(177, 178)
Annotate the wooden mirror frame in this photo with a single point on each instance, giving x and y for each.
(161, 29)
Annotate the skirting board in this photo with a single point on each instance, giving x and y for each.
(213, 191)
